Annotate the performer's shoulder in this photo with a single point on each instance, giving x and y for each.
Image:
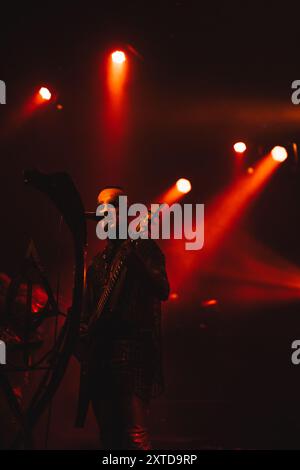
(151, 246)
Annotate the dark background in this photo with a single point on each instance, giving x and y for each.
(205, 76)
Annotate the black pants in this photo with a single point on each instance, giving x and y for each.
(120, 413)
(122, 421)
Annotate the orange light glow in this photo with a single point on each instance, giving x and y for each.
(45, 93)
(176, 192)
(174, 296)
(240, 147)
(228, 208)
(183, 185)
(118, 57)
(223, 215)
(279, 154)
(115, 118)
(209, 302)
(255, 275)
(116, 78)
(32, 103)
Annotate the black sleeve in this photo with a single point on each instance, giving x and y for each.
(151, 262)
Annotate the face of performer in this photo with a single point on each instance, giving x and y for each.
(110, 196)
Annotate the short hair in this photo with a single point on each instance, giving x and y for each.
(110, 194)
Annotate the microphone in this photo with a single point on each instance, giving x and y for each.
(93, 216)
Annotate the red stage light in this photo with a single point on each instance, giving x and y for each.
(240, 147)
(209, 302)
(183, 185)
(118, 57)
(174, 296)
(45, 93)
(279, 154)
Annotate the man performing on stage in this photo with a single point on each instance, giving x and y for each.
(124, 367)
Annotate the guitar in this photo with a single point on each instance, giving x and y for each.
(105, 297)
(88, 330)
(115, 275)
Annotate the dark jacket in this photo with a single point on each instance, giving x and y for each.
(127, 348)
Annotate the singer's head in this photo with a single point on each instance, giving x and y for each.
(108, 198)
(110, 195)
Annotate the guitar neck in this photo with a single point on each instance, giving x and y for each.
(104, 297)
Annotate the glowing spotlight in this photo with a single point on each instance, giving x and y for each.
(209, 303)
(45, 93)
(174, 296)
(240, 147)
(279, 154)
(118, 57)
(183, 185)
(176, 192)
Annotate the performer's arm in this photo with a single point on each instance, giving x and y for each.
(150, 261)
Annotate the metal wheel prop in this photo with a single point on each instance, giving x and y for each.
(53, 363)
